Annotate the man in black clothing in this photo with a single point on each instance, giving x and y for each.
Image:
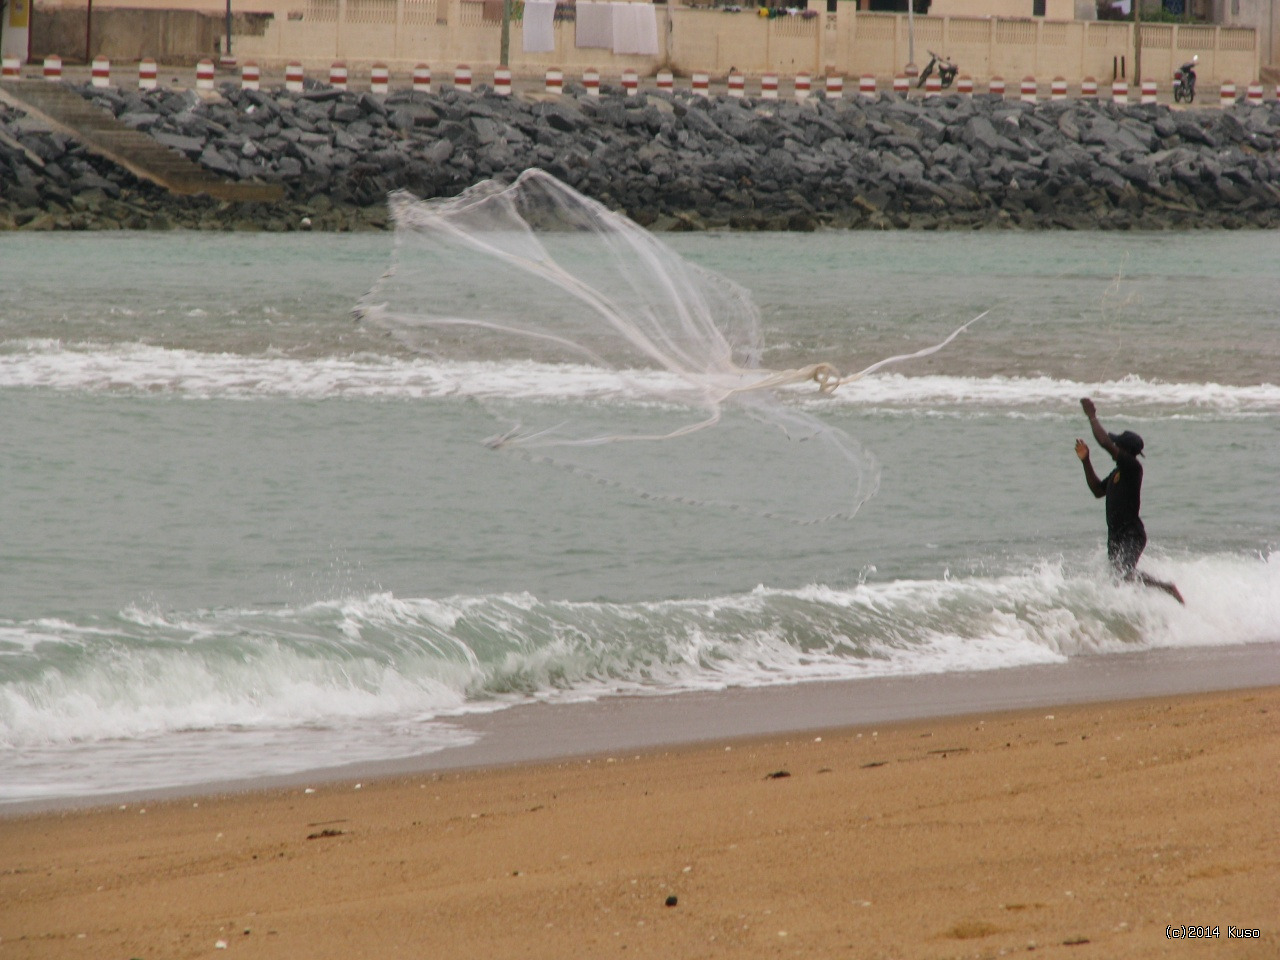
(1126, 537)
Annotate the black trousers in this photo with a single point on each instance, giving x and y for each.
(1125, 546)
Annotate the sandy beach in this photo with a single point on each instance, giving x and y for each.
(1088, 830)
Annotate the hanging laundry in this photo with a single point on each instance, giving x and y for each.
(595, 25)
(640, 34)
(539, 26)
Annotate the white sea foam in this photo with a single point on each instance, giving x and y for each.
(93, 367)
(226, 693)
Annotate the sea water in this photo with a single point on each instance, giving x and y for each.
(244, 535)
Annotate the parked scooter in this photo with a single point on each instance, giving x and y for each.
(946, 70)
(1184, 80)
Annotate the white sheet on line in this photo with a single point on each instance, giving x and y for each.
(635, 29)
(595, 24)
(539, 26)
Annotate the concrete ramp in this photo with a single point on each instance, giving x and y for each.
(62, 108)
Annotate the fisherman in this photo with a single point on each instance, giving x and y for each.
(1126, 536)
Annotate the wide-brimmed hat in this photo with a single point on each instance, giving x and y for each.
(1128, 441)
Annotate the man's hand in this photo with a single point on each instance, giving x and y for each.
(1082, 450)
(1090, 410)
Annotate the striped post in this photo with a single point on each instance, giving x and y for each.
(867, 86)
(902, 85)
(555, 81)
(1253, 96)
(803, 86)
(250, 76)
(53, 67)
(701, 85)
(1089, 88)
(205, 73)
(1028, 90)
(462, 78)
(1227, 94)
(630, 82)
(293, 77)
(769, 86)
(666, 81)
(11, 68)
(379, 79)
(338, 76)
(737, 85)
(835, 86)
(502, 82)
(1058, 89)
(1149, 94)
(995, 87)
(101, 73)
(591, 80)
(933, 86)
(964, 86)
(422, 78)
(148, 74)
(1120, 91)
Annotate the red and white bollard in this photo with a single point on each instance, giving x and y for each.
(1058, 89)
(630, 82)
(737, 85)
(803, 87)
(555, 82)
(964, 86)
(666, 81)
(53, 67)
(995, 87)
(902, 85)
(1089, 88)
(338, 76)
(10, 68)
(1227, 94)
(502, 82)
(1253, 96)
(591, 81)
(101, 72)
(293, 77)
(379, 79)
(205, 73)
(701, 85)
(933, 86)
(462, 78)
(1149, 94)
(1028, 90)
(148, 74)
(835, 86)
(422, 78)
(867, 86)
(1120, 91)
(769, 86)
(250, 76)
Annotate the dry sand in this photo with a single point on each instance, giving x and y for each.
(1080, 831)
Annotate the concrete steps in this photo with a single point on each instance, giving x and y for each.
(64, 109)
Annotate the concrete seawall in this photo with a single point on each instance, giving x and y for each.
(671, 161)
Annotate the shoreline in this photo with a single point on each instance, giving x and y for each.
(1091, 830)
(540, 733)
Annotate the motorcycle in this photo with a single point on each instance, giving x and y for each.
(1184, 80)
(946, 70)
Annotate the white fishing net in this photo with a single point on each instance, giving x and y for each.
(603, 352)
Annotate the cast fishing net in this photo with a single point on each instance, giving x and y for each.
(604, 353)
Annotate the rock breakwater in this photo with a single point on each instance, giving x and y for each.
(669, 161)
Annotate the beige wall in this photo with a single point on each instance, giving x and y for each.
(1010, 9)
(443, 33)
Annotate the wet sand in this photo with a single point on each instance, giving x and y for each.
(1083, 830)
